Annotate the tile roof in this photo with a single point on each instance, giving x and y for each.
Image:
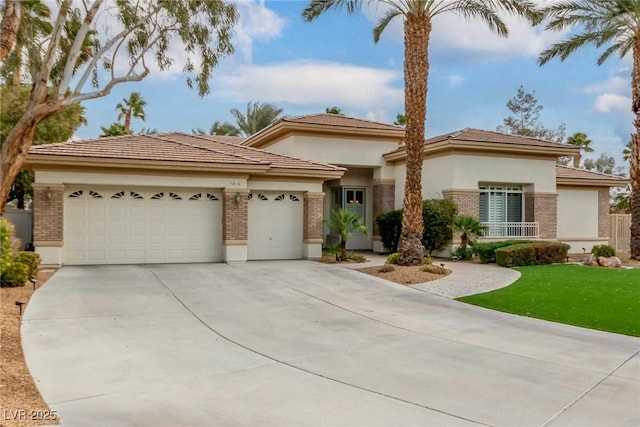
(339, 120)
(226, 138)
(478, 135)
(583, 174)
(177, 147)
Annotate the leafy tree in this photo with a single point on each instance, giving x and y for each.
(116, 129)
(346, 223)
(417, 16)
(603, 164)
(615, 25)
(622, 201)
(225, 128)
(469, 228)
(131, 107)
(525, 118)
(401, 120)
(257, 117)
(69, 62)
(333, 110)
(33, 28)
(580, 140)
(57, 128)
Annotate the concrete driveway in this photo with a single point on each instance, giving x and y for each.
(302, 343)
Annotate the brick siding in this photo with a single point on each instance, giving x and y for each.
(604, 217)
(543, 209)
(313, 212)
(235, 215)
(468, 201)
(48, 214)
(384, 193)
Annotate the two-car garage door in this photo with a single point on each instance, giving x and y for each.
(134, 225)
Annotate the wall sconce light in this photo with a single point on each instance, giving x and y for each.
(237, 198)
(48, 194)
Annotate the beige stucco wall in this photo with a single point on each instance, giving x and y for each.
(577, 213)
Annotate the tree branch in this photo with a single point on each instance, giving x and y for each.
(9, 27)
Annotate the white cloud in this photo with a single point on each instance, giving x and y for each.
(455, 80)
(612, 103)
(616, 84)
(452, 32)
(256, 23)
(313, 83)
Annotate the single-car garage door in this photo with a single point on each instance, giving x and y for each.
(133, 225)
(275, 225)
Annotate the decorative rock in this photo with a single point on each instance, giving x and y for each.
(611, 262)
(590, 261)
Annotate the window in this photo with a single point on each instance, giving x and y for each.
(501, 203)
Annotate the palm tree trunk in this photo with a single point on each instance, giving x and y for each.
(127, 121)
(634, 168)
(9, 27)
(417, 28)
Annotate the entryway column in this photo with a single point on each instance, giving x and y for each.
(48, 221)
(312, 224)
(384, 193)
(543, 209)
(235, 215)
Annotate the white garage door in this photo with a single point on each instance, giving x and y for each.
(275, 226)
(133, 225)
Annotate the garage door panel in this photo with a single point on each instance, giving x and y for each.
(275, 226)
(129, 226)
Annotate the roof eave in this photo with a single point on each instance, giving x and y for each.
(590, 182)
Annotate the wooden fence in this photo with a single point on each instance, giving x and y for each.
(620, 231)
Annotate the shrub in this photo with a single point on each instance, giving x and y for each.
(426, 260)
(435, 269)
(516, 255)
(437, 216)
(537, 253)
(6, 243)
(31, 259)
(390, 227)
(462, 253)
(387, 268)
(356, 257)
(393, 258)
(487, 251)
(603, 250)
(14, 274)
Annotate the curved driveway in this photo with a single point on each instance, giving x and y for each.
(302, 343)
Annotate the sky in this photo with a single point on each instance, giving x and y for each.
(333, 61)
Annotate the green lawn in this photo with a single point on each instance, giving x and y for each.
(591, 297)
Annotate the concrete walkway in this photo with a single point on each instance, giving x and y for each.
(300, 343)
(465, 278)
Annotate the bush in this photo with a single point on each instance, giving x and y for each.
(437, 216)
(6, 243)
(393, 258)
(603, 250)
(462, 253)
(14, 274)
(435, 269)
(386, 268)
(536, 253)
(31, 259)
(487, 251)
(390, 227)
(516, 255)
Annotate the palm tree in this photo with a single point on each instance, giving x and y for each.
(626, 151)
(258, 116)
(417, 16)
(225, 128)
(616, 25)
(333, 110)
(580, 139)
(469, 228)
(132, 107)
(346, 223)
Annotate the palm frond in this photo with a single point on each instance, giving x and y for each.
(383, 22)
(470, 9)
(318, 7)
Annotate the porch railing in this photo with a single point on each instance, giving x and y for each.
(511, 229)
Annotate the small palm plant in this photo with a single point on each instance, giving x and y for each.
(346, 223)
(469, 228)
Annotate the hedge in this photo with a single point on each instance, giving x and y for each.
(487, 251)
(532, 253)
(437, 216)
